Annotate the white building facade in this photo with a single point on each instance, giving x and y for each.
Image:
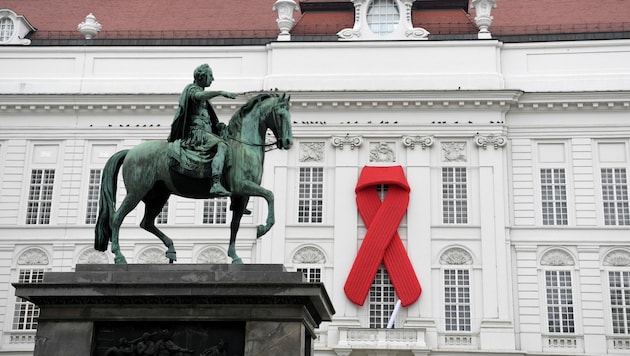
(516, 154)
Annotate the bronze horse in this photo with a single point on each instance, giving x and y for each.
(147, 177)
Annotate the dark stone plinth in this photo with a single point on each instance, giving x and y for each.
(243, 310)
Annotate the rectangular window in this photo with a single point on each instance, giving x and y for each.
(559, 296)
(40, 196)
(311, 195)
(615, 196)
(457, 300)
(454, 195)
(26, 313)
(215, 211)
(94, 186)
(619, 282)
(553, 188)
(382, 299)
(162, 217)
(311, 274)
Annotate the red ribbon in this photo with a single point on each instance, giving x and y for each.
(382, 242)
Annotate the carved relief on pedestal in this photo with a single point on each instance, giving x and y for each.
(311, 152)
(382, 152)
(454, 152)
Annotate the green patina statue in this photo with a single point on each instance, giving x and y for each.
(201, 159)
(200, 131)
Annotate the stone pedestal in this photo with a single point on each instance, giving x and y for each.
(196, 310)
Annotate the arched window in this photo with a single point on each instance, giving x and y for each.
(383, 16)
(456, 278)
(31, 265)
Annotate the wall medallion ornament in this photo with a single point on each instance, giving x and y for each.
(495, 141)
(382, 243)
(382, 152)
(557, 257)
(412, 141)
(92, 256)
(311, 152)
(456, 256)
(152, 255)
(619, 258)
(352, 141)
(33, 256)
(309, 255)
(212, 255)
(454, 152)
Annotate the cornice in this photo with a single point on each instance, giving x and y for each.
(455, 100)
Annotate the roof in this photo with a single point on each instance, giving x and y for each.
(165, 19)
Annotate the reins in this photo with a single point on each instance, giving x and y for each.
(264, 145)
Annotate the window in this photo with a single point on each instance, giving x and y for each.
(383, 16)
(457, 300)
(6, 29)
(619, 283)
(309, 260)
(311, 195)
(162, 217)
(26, 313)
(215, 211)
(311, 274)
(94, 186)
(382, 299)
(559, 298)
(553, 188)
(615, 196)
(40, 196)
(454, 195)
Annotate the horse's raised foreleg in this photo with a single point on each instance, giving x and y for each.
(238, 207)
(255, 190)
(153, 207)
(127, 205)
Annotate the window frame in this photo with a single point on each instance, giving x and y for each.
(311, 214)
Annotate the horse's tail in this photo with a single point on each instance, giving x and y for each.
(107, 200)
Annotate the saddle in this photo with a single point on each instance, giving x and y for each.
(189, 161)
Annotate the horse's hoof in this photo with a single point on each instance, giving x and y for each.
(172, 256)
(260, 230)
(120, 260)
(237, 261)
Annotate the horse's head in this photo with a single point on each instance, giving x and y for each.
(279, 121)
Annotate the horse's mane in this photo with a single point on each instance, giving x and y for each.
(236, 122)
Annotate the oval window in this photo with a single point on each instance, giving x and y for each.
(383, 16)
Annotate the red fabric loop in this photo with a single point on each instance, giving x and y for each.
(382, 242)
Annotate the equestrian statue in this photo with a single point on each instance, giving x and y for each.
(202, 158)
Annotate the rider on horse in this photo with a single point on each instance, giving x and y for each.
(199, 130)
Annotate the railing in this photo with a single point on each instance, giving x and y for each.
(393, 339)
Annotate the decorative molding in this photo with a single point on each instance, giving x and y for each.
(495, 140)
(353, 141)
(557, 257)
(21, 28)
(89, 27)
(152, 255)
(212, 255)
(404, 29)
(423, 141)
(617, 258)
(33, 256)
(309, 255)
(456, 256)
(454, 152)
(311, 151)
(382, 152)
(91, 256)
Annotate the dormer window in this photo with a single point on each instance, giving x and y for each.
(6, 29)
(383, 20)
(14, 28)
(383, 16)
